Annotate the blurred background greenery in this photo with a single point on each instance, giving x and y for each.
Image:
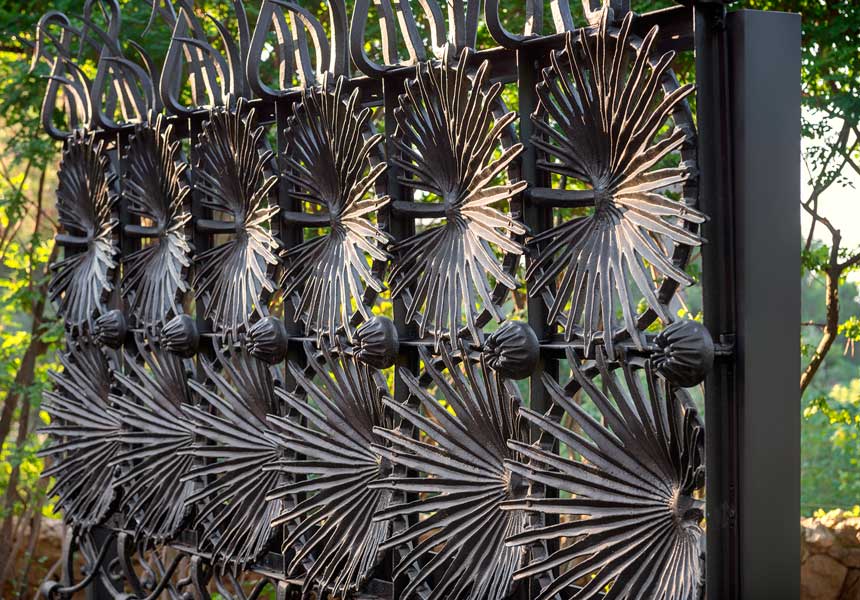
(30, 334)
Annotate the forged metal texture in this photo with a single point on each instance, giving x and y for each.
(338, 404)
(180, 336)
(82, 281)
(686, 353)
(634, 476)
(156, 436)
(92, 556)
(377, 342)
(83, 435)
(461, 480)
(292, 56)
(332, 163)
(403, 27)
(513, 350)
(235, 443)
(267, 340)
(213, 78)
(155, 187)
(111, 329)
(562, 20)
(234, 278)
(121, 91)
(449, 124)
(604, 102)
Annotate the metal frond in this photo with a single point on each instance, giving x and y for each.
(604, 105)
(337, 405)
(82, 281)
(333, 162)
(634, 475)
(461, 480)
(156, 434)
(234, 279)
(155, 187)
(84, 434)
(235, 446)
(453, 142)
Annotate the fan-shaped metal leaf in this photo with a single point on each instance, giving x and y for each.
(461, 481)
(154, 277)
(83, 279)
(237, 444)
(450, 125)
(331, 524)
(600, 122)
(234, 278)
(84, 434)
(156, 435)
(332, 162)
(633, 479)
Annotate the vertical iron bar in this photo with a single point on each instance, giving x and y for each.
(202, 241)
(537, 219)
(764, 50)
(290, 235)
(399, 228)
(718, 295)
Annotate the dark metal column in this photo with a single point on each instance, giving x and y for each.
(718, 295)
(765, 107)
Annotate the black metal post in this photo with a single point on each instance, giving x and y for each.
(764, 52)
(718, 295)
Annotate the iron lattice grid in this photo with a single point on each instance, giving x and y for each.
(238, 443)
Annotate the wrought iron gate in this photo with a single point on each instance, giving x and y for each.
(342, 322)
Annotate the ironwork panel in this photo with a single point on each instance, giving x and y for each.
(319, 348)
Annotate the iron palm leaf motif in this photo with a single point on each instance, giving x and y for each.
(604, 104)
(154, 277)
(234, 278)
(236, 445)
(84, 434)
(633, 476)
(461, 482)
(453, 142)
(83, 279)
(157, 436)
(331, 525)
(332, 161)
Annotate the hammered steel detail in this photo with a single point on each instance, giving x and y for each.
(318, 283)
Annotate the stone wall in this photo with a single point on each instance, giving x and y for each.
(830, 557)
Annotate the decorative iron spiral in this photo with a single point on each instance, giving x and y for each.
(449, 125)
(236, 444)
(462, 480)
(84, 434)
(634, 474)
(157, 436)
(333, 528)
(332, 161)
(155, 277)
(83, 279)
(604, 105)
(234, 278)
